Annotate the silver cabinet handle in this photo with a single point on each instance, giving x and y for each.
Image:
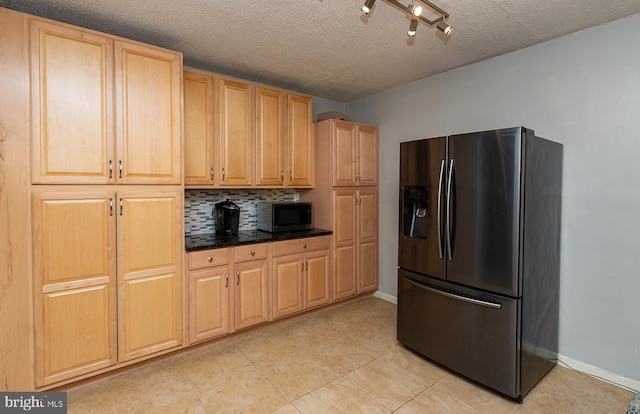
(210, 259)
(306, 264)
(222, 173)
(302, 265)
(226, 276)
(238, 277)
(110, 169)
(290, 176)
(451, 167)
(456, 297)
(211, 179)
(282, 175)
(253, 253)
(439, 207)
(304, 246)
(110, 206)
(121, 206)
(120, 167)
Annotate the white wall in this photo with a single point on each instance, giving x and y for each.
(582, 90)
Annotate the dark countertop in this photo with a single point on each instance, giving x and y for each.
(206, 241)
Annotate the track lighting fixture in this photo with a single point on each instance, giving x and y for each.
(368, 4)
(415, 9)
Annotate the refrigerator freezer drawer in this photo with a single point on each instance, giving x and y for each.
(470, 332)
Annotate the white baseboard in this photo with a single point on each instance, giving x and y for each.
(385, 296)
(600, 373)
(596, 372)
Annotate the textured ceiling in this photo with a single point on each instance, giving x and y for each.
(327, 48)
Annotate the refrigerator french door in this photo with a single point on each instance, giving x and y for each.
(462, 249)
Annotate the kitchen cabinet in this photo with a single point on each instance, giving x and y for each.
(355, 148)
(78, 77)
(150, 236)
(199, 168)
(301, 270)
(235, 140)
(148, 92)
(73, 138)
(270, 137)
(251, 289)
(74, 272)
(208, 294)
(300, 141)
(367, 241)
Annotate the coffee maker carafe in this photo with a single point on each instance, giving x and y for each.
(227, 216)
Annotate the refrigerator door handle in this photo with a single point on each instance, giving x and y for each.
(451, 168)
(456, 297)
(440, 241)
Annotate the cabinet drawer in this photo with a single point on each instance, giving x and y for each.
(250, 252)
(208, 258)
(295, 246)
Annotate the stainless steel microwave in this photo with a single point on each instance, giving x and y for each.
(278, 217)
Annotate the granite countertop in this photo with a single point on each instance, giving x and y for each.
(206, 241)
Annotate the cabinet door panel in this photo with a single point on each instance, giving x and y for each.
(235, 133)
(367, 214)
(287, 285)
(368, 266)
(318, 269)
(71, 79)
(270, 138)
(345, 226)
(300, 141)
(344, 279)
(344, 152)
(368, 155)
(251, 294)
(198, 129)
(149, 117)
(209, 303)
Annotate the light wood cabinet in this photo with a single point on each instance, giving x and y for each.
(209, 289)
(235, 132)
(301, 270)
(367, 243)
(72, 100)
(300, 141)
(78, 76)
(74, 283)
(148, 90)
(355, 148)
(150, 234)
(251, 289)
(270, 137)
(199, 111)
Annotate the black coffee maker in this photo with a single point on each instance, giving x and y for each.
(227, 216)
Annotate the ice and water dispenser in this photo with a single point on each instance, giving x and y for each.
(415, 212)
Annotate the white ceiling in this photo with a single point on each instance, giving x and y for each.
(327, 48)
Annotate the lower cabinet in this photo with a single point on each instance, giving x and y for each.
(80, 266)
(300, 270)
(251, 290)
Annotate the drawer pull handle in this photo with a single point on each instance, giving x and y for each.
(238, 275)
(226, 284)
(304, 246)
(253, 252)
(210, 259)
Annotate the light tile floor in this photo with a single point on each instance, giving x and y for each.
(344, 359)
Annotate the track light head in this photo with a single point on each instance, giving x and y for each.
(368, 4)
(444, 28)
(412, 28)
(417, 10)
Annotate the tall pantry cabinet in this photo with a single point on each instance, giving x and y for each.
(106, 174)
(346, 201)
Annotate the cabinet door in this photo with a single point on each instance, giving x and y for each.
(72, 116)
(148, 84)
(208, 303)
(367, 240)
(300, 141)
(344, 237)
(318, 269)
(74, 283)
(367, 156)
(251, 294)
(149, 271)
(235, 138)
(198, 129)
(344, 153)
(270, 139)
(288, 282)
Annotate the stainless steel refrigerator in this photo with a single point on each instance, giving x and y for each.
(479, 255)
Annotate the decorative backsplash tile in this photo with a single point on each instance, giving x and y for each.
(198, 206)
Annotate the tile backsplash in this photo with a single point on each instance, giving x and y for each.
(198, 206)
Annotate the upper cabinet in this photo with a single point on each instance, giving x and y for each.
(78, 76)
(235, 143)
(72, 110)
(242, 135)
(355, 149)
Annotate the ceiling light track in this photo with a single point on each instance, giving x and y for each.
(415, 10)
